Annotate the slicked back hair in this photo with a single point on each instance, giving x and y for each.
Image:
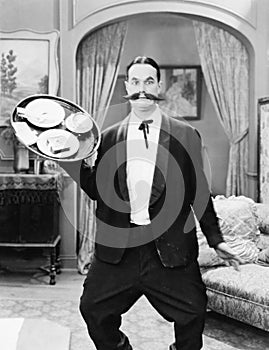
(144, 60)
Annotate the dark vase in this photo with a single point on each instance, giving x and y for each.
(21, 157)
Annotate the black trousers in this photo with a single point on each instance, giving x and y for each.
(178, 294)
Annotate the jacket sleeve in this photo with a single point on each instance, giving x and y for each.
(202, 201)
(88, 174)
(88, 180)
(84, 174)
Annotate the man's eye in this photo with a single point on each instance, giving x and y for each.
(149, 82)
(135, 82)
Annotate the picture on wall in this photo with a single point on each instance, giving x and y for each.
(28, 67)
(181, 89)
(263, 155)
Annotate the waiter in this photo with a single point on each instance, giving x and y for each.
(148, 182)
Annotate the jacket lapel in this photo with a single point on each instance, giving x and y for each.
(121, 155)
(159, 178)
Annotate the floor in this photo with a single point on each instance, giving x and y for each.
(25, 292)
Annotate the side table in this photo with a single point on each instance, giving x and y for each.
(29, 214)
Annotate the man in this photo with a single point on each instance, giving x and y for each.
(148, 180)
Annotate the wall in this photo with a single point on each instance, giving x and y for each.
(37, 15)
(170, 40)
(245, 9)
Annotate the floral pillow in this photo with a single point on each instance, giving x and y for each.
(239, 227)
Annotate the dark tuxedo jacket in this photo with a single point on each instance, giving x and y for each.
(179, 188)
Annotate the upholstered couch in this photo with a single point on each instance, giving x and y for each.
(242, 295)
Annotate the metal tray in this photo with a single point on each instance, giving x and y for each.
(88, 141)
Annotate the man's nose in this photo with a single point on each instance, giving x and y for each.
(142, 92)
(142, 86)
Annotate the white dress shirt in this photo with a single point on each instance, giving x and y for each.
(141, 165)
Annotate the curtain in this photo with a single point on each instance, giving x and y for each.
(225, 66)
(97, 60)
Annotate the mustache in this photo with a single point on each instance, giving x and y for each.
(137, 95)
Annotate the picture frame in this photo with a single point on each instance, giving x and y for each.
(263, 155)
(29, 65)
(181, 88)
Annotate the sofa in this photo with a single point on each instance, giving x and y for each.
(242, 295)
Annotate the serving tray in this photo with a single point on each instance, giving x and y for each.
(33, 120)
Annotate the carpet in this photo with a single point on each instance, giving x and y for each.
(145, 328)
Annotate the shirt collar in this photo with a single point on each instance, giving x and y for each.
(156, 116)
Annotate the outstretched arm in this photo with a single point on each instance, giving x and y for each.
(203, 206)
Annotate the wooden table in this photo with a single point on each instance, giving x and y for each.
(29, 214)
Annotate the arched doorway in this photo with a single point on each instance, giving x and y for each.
(170, 39)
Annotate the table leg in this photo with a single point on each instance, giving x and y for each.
(58, 261)
(52, 266)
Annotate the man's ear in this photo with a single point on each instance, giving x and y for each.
(160, 84)
(127, 86)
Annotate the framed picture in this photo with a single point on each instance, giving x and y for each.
(181, 89)
(263, 147)
(29, 66)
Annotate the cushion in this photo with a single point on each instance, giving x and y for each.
(262, 213)
(242, 295)
(239, 227)
(236, 217)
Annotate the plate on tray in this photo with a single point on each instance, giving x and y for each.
(44, 113)
(58, 143)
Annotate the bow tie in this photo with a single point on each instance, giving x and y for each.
(145, 127)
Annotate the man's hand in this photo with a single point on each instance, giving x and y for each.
(50, 167)
(228, 255)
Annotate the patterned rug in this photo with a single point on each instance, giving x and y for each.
(145, 328)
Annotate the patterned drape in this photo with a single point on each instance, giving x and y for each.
(98, 59)
(225, 65)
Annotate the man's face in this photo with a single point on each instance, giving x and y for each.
(142, 78)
